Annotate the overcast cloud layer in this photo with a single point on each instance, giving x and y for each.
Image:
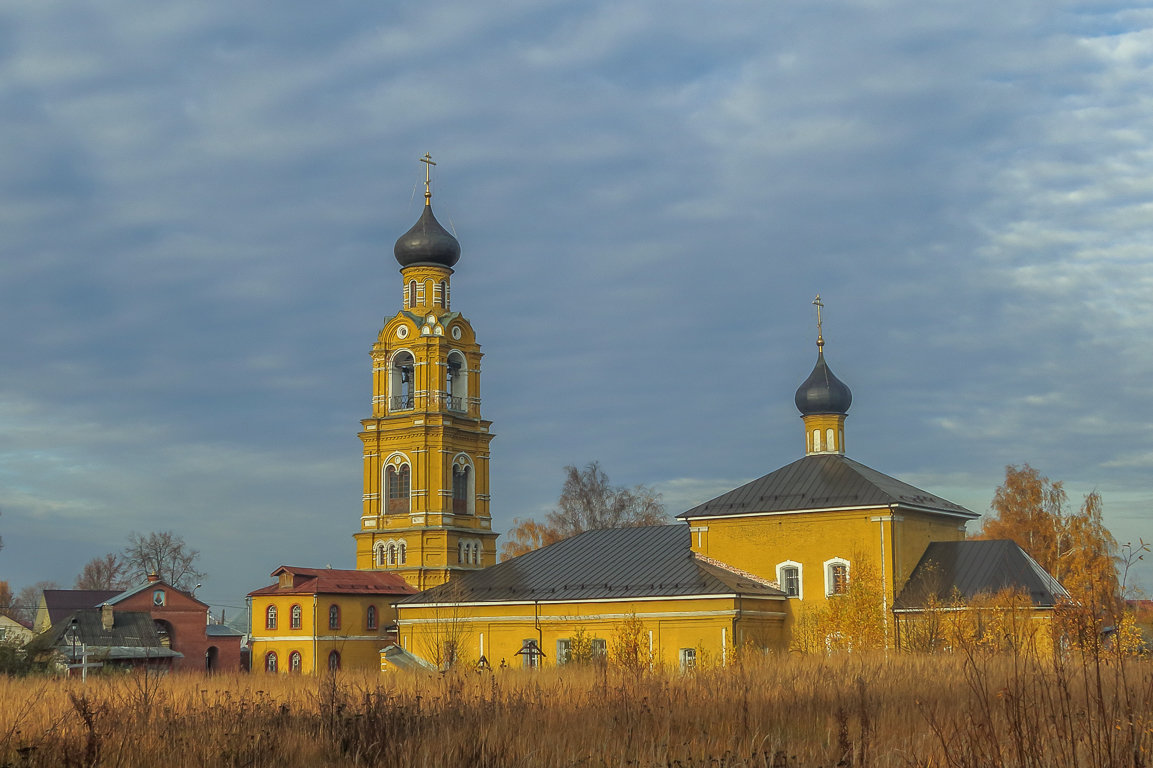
(198, 203)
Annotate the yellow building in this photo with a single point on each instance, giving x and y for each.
(806, 525)
(425, 508)
(732, 577)
(640, 588)
(323, 618)
(734, 574)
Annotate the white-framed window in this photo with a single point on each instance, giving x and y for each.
(563, 651)
(397, 487)
(789, 577)
(463, 485)
(401, 381)
(688, 659)
(468, 552)
(830, 445)
(456, 381)
(836, 576)
(531, 653)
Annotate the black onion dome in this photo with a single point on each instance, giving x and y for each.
(427, 243)
(823, 392)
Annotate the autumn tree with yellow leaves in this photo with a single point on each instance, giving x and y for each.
(1075, 547)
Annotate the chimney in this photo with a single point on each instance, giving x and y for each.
(106, 617)
(153, 577)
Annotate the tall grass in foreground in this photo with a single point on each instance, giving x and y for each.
(776, 712)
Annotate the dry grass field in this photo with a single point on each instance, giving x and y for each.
(849, 710)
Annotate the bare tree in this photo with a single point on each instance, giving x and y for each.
(107, 572)
(27, 601)
(165, 554)
(588, 501)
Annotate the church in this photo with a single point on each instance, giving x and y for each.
(733, 573)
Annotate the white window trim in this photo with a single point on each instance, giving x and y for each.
(828, 573)
(800, 578)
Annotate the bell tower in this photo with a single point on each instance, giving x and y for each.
(426, 500)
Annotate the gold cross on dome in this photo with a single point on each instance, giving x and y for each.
(428, 163)
(818, 303)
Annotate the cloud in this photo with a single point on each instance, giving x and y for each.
(197, 207)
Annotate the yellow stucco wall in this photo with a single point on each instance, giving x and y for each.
(889, 542)
(357, 645)
(712, 626)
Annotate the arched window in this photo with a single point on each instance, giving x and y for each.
(294, 661)
(295, 620)
(829, 444)
(836, 576)
(370, 617)
(789, 578)
(164, 632)
(379, 556)
(816, 440)
(270, 618)
(456, 382)
(411, 293)
(392, 554)
(401, 382)
(403, 552)
(333, 661)
(270, 661)
(463, 486)
(397, 480)
(460, 484)
(468, 552)
(334, 616)
(444, 293)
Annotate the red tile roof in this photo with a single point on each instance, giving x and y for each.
(330, 581)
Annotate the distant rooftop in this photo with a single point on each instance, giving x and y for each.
(330, 581)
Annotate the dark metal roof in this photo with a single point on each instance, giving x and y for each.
(426, 243)
(966, 569)
(823, 392)
(821, 481)
(648, 561)
(62, 602)
(129, 629)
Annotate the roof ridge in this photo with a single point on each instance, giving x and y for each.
(736, 571)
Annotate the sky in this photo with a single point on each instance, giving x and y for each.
(198, 203)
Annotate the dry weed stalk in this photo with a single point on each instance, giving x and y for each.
(852, 710)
